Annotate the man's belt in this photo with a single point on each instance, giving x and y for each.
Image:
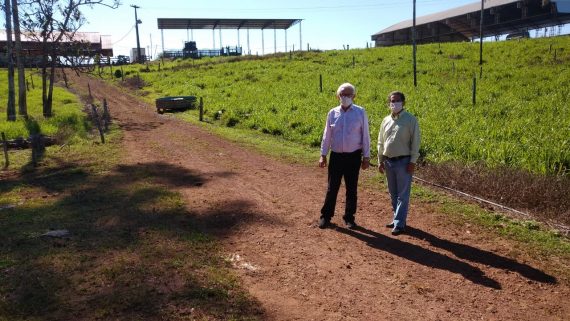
(396, 158)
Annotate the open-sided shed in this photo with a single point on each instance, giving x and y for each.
(191, 24)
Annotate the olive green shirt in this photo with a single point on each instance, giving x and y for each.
(399, 136)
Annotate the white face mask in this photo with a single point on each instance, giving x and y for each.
(345, 101)
(396, 107)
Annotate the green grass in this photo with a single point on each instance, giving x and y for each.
(68, 122)
(521, 119)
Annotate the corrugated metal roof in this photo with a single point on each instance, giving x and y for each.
(451, 13)
(200, 23)
(92, 37)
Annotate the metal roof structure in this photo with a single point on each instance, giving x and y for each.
(83, 43)
(235, 24)
(462, 23)
(200, 23)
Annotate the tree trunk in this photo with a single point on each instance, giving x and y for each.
(51, 81)
(45, 106)
(64, 75)
(22, 101)
(11, 108)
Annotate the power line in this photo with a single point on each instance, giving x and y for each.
(123, 37)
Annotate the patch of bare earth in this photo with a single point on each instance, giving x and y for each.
(544, 198)
(266, 214)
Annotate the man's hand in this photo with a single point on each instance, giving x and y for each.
(323, 161)
(365, 163)
(381, 167)
(411, 168)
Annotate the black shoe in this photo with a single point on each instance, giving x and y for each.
(391, 225)
(397, 230)
(350, 224)
(323, 222)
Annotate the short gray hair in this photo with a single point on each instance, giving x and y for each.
(346, 85)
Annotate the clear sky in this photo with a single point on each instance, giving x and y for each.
(326, 24)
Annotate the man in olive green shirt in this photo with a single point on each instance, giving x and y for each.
(398, 152)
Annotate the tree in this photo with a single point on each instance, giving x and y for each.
(55, 23)
(11, 110)
(22, 101)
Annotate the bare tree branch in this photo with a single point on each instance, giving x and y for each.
(54, 24)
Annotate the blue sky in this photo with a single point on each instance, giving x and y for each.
(327, 24)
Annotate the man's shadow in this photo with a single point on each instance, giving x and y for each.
(473, 254)
(418, 254)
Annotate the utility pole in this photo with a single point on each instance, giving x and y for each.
(481, 34)
(150, 51)
(137, 21)
(414, 46)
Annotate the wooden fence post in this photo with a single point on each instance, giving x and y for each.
(106, 114)
(89, 88)
(38, 148)
(201, 109)
(98, 123)
(5, 147)
(474, 89)
(321, 82)
(353, 62)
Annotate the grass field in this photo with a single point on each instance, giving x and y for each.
(68, 121)
(521, 118)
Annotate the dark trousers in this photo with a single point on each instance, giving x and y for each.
(341, 165)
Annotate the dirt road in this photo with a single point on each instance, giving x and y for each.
(266, 212)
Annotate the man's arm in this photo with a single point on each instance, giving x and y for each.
(414, 147)
(325, 142)
(380, 147)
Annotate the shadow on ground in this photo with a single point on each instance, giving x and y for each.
(426, 257)
(134, 252)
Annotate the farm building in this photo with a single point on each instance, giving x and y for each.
(500, 17)
(83, 44)
(190, 24)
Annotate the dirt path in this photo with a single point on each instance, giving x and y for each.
(266, 212)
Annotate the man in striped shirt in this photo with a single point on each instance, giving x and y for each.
(347, 136)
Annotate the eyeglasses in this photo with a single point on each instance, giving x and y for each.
(346, 95)
(395, 101)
